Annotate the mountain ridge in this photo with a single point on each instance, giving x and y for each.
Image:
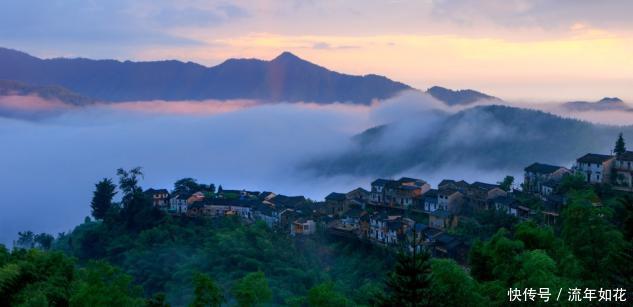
(458, 97)
(604, 104)
(492, 137)
(287, 77)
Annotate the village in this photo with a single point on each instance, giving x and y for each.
(394, 210)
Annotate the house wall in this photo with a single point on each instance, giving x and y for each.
(430, 205)
(595, 172)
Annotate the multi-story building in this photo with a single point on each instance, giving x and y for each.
(595, 167)
(623, 171)
(537, 174)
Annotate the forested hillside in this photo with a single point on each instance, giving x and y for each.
(136, 255)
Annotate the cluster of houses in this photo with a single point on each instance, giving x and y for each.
(394, 210)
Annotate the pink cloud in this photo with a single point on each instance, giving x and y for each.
(31, 103)
(205, 107)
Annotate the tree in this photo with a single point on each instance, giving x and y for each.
(452, 286)
(252, 290)
(26, 239)
(44, 240)
(324, 295)
(137, 211)
(36, 278)
(507, 183)
(480, 261)
(534, 237)
(100, 284)
(591, 237)
(206, 292)
(185, 186)
(102, 198)
(537, 270)
(409, 282)
(620, 146)
(158, 300)
(627, 219)
(572, 182)
(128, 181)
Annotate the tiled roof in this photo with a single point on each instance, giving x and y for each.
(540, 168)
(484, 186)
(380, 181)
(594, 158)
(336, 196)
(432, 193)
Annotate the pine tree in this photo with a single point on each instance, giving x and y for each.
(620, 146)
(409, 283)
(102, 198)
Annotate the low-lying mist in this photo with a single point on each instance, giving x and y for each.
(51, 157)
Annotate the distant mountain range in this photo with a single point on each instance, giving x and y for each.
(14, 88)
(458, 97)
(285, 78)
(484, 137)
(604, 104)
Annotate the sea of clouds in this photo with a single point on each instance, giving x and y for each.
(52, 154)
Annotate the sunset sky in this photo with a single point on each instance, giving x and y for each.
(514, 49)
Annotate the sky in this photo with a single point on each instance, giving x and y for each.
(522, 50)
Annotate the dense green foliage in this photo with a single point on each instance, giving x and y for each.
(36, 278)
(206, 292)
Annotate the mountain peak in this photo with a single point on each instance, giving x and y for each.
(610, 100)
(286, 56)
(457, 97)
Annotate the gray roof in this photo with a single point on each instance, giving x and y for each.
(484, 186)
(380, 182)
(594, 158)
(336, 196)
(541, 168)
(432, 193)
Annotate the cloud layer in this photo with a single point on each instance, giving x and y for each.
(54, 154)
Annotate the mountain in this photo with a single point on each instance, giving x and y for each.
(285, 78)
(604, 104)
(458, 97)
(14, 88)
(486, 138)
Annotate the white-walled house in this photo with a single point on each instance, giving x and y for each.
(178, 204)
(449, 200)
(430, 201)
(538, 173)
(595, 167)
